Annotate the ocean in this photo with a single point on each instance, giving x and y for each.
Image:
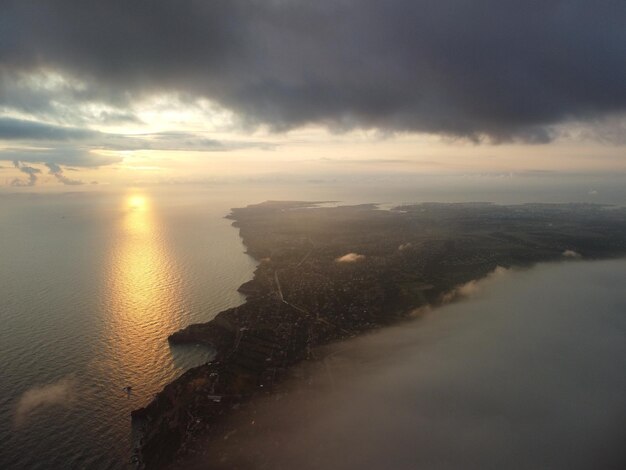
(90, 288)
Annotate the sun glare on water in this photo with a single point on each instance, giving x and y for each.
(142, 300)
(137, 202)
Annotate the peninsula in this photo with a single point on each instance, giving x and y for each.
(330, 273)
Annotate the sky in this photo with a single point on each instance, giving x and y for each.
(97, 93)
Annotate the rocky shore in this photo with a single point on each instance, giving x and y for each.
(252, 353)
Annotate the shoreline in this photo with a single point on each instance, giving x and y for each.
(280, 324)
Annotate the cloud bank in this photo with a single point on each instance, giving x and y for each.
(67, 145)
(527, 376)
(495, 69)
(474, 287)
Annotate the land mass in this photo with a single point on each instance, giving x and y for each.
(330, 273)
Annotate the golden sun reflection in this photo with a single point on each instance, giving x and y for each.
(138, 220)
(137, 202)
(143, 297)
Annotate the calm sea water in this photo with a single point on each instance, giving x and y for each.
(90, 288)
(91, 285)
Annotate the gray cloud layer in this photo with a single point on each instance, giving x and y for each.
(71, 145)
(501, 68)
(17, 129)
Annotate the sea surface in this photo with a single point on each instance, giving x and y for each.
(92, 283)
(90, 288)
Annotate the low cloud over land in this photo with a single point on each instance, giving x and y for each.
(526, 374)
(571, 254)
(350, 258)
(474, 287)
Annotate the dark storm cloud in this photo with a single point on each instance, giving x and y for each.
(501, 68)
(56, 99)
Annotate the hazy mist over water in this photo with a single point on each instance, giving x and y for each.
(92, 284)
(528, 373)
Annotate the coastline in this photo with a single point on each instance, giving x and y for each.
(258, 342)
